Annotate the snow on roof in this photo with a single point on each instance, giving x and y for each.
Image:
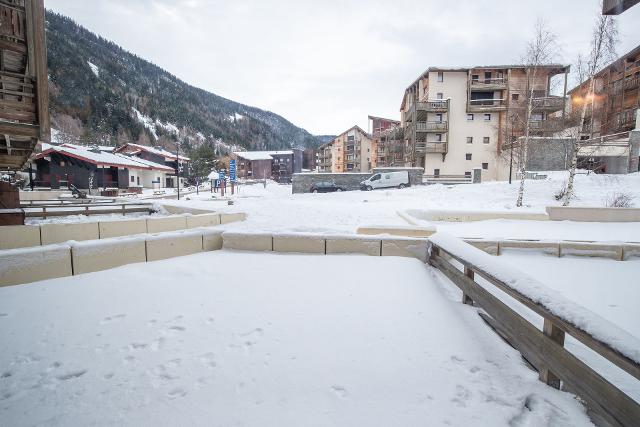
(159, 151)
(103, 158)
(149, 163)
(261, 155)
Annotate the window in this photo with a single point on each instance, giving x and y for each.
(515, 96)
(487, 77)
(467, 174)
(475, 77)
(439, 117)
(486, 140)
(440, 76)
(469, 140)
(133, 178)
(468, 156)
(436, 172)
(439, 95)
(485, 166)
(487, 117)
(469, 117)
(439, 137)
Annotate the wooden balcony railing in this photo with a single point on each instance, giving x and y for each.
(484, 84)
(548, 103)
(487, 104)
(543, 349)
(432, 126)
(431, 147)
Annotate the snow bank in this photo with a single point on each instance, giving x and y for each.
(552, 300)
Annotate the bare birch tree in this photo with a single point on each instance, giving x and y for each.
(602, 51)
(541, 50)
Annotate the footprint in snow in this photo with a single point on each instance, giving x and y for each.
(110, 319)
(177, 392)
(340, 391)
(71, 375)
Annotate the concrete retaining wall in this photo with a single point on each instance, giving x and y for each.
(128, 227)
(247, 241)
(22, 236)
(404, 231)
(58, 233)
(43, 195)
(354, 245)
(179, 210)
(108, 253)
(19, 236)
(466, 216)
(410, 248)
(585, 214)
(204, 220)
(168, 223)
(299, 244)
(33, 264)
(173, 245)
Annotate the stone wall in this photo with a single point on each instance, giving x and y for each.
(549, 154)
(302, 182)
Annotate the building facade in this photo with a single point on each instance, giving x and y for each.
(612, 107)
(388, 141)
(276, 165)
(351, 151)
(455, 120)
(160, 156)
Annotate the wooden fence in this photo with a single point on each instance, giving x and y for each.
(544, 350)
(44, 211)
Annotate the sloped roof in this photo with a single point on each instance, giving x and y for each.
(261, 155)
(168, 155)
(103, 158)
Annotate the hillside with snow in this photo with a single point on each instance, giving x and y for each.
(101, 92)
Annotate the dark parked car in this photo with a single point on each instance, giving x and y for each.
(325, 187)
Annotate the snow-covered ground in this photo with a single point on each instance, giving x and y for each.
(224, 338)
(274, 208)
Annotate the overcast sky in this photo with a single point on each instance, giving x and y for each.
(325, 65)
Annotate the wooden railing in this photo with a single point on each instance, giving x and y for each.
(548, 103)
(45, 211)
(431, 147)
(544, 350)
(432, 126)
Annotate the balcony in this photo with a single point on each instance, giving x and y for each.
(548, 125)
(631, 83)
(420, 109)
(432, 126)
(548, 103)
(431, 147)
(482, 105)
(489, 84)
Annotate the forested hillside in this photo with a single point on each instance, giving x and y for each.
(102, 93)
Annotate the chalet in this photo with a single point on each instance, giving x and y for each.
(160, 156)
(87, 167)
(276, 165)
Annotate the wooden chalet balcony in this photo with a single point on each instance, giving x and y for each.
(432, 126)
(548, 103)
(632, 83)
(419, 109)
(489, 84)
(548, 125)
(431, 147)
(482, 105)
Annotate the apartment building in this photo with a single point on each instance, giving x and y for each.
(351, 151)
(612, 107)
(388, 141)
(457, 119)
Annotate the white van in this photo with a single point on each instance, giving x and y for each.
(386, 180)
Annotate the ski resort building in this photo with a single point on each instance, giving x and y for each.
(352, 151)
(160, 156)
(386, 135)
(615, 101)
(89, 168)
(455, 120)
(276, 165)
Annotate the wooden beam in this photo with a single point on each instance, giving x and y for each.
(616, 7)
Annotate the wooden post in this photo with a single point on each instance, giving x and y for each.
(557, 335)
(123, 212)
(44, 212)
(470, 274)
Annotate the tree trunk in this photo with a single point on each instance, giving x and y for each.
(572, 173)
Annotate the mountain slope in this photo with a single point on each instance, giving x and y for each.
(100, 92)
